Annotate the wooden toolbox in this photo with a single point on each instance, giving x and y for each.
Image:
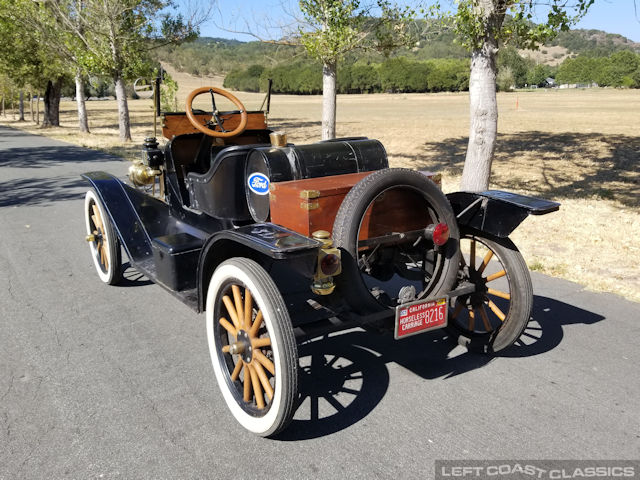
(312, 204)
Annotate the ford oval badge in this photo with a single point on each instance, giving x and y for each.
(258, 183)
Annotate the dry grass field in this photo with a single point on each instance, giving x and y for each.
(579, 147)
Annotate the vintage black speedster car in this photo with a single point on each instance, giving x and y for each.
(277, 243)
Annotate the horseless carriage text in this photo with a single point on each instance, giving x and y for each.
(278, 243)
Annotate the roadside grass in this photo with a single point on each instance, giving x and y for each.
(578, 147)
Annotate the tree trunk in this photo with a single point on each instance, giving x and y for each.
(51, 117)
(483, 105)
(124, 123)
(4, 114)
(38, 108)
(83, 123)
(21, 106)
(31, 105)
(329, 75)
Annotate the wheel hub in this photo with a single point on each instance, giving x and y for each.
(242, 346)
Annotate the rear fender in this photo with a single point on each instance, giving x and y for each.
(265, 243)
(496, 212)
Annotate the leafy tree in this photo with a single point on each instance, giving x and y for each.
(58, 40)
(622, 66)
(114, 36)
(482, 25)
(448, 75)
(335, 27)
(539, 73)
(28, 57)
(511, 59)
(364, 78)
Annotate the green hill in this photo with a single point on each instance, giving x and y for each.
(594, 42)
(433, 64)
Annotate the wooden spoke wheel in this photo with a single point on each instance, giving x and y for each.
(395, 202)
(252, 346)
(103, 240)
(495, 315)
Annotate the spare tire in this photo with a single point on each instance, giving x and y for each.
(394, 270)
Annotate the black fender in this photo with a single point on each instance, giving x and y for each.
(266, 243)
(122, 204)
(496, 212)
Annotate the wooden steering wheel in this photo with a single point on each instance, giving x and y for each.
(215, 120)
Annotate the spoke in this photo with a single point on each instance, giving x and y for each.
(314, 410)
(472, 255)
(95, 222)
(263, 380)
(527, 334)
(485, 319)
(332, 361)
(485, 261)
(96, 212)
(232, 312)
(496, 275)
(228, 327)
(350, 391)
(334, 403)
(498, 293)
(266, 363)
(248, 309)
(261, 342)
(236, 371)
(225, 348)
(472, 320)
(494, 308)
(256, 324)
(247, 383)
(237, 297)
(257, 389)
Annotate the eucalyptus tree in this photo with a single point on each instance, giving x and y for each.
(484, 25)
(332, 28)
(26, 54)
(115, 36)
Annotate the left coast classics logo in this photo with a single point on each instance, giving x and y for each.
(258, 183)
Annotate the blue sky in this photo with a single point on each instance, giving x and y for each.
(613, 16)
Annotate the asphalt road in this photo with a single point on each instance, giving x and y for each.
(116, 382)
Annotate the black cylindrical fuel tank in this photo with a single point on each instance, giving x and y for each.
(332, 157)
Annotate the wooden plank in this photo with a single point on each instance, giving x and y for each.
(173, 125)
(311, 204)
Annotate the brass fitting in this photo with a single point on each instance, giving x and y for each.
(324, 237)
(90, 238)
(278, 139)
(140, 174)
(325, 288)
(323, 281)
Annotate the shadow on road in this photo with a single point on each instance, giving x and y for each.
(132, 277)
(344, 377)
(50, 156)
(39, 191)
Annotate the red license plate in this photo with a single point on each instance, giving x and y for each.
(420, 316)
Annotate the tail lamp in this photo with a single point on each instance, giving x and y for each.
(438, 233)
